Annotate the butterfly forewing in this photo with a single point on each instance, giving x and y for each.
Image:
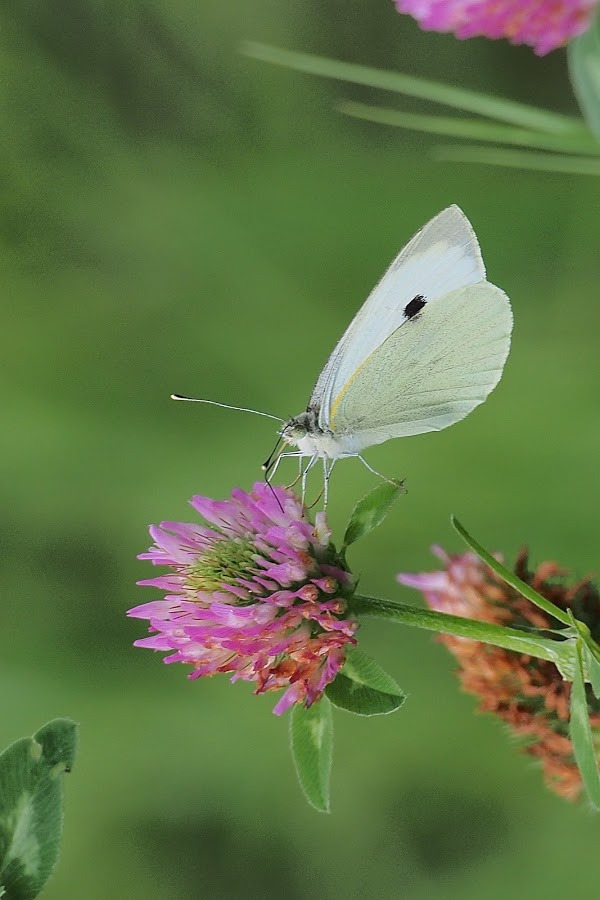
(442, 257)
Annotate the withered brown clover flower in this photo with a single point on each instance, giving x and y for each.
(526, 692)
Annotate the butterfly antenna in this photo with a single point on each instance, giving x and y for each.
(270, 461)
(272, 489)
(256, 412)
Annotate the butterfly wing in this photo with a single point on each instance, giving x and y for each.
(430, 372)
(442, 257)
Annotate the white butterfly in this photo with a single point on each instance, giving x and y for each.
(427, 347)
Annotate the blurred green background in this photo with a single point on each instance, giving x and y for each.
(176, 217)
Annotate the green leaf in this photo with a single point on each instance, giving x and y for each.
(372, 510)
(510, 578)
(518, 159)
(471, 129)
(362, 687)
(581, 732)
(311, 739)
(58, 739)
(459, 98)
(31, 807)
(583, 54)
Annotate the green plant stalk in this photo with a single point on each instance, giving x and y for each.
(532, 643)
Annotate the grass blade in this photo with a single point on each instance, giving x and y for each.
(518, 159)
(581, 733)
(458, 98)
(471, 129)
(510, 578)
(592, 667)
(584, 68)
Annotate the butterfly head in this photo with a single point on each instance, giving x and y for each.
(302, 426)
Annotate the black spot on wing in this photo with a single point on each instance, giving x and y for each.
(415, 306)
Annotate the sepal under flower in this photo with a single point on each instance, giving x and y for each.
(261, 594)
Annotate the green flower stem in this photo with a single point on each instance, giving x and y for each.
(559, 652)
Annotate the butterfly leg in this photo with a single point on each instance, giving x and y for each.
(374, 471)
(271, 474)
(326, 474)
(298, 476)
(307, 469)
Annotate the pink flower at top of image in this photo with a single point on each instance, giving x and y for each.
(527, 693)
(259, 593)
(542, 24)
